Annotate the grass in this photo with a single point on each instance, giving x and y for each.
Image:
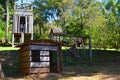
(8, 48)
(105, 67)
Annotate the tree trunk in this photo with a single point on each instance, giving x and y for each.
(7, 21)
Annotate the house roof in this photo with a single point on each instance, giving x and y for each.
(56, 31)
(41, 42)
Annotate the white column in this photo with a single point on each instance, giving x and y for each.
(29, 24)
(18, 24)
(25, 24)
(14, 27)
(31, 27)
(22, 37)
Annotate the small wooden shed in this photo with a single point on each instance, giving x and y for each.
(40, 56)
(54, 34)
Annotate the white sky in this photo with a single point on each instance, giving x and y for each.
(25, 1)
(33, 0)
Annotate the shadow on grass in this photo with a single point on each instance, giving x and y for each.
(110, 69)
(98, 56)
(104, 62)
(9, 60)
(5, 45)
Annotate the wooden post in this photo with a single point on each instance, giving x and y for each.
(60, 60)
(22, 37)
(13, 28)
(14, 5)
(90, 49)
(18, 24)
(31, 27)
(13, 40)
(30, 24)
(83, 45)
(25, 24)
(51, 36)
(15, 24)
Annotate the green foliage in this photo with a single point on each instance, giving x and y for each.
(100, 20)
(113, 23)
(10, 37)
(2, 35)
(37, 36)
(1, 13)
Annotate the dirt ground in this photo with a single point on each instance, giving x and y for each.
(97, 71)
(103, 71)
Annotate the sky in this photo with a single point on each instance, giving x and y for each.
(100, 0)
(25, 1)
(28, 1)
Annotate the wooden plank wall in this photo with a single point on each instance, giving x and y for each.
(24, 60)
(40, 60)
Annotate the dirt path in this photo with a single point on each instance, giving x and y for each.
(109, 71)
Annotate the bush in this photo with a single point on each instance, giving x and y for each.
(2, 35)
(37, 36)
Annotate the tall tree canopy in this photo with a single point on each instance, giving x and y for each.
(99, 19)
(83, 17)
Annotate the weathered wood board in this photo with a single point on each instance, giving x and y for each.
(40, 64)
(43, 48)
(39, 70)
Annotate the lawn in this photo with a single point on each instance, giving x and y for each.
(106, 66)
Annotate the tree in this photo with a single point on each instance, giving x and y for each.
(1, 14)
(100, 20)
(113, 22)
(7, 21)
(2, 23)
(40, 18)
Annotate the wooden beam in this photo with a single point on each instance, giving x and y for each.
(39, 64)
(69, 35)
(47, 48)
(13, 40)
